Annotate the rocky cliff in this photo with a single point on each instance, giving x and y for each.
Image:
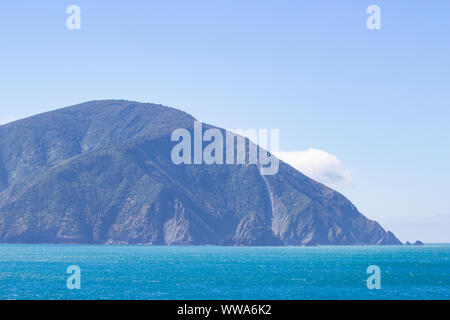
(101, 173)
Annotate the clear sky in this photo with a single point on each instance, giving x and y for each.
(378, 101)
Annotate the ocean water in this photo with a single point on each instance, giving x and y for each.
(209, 272)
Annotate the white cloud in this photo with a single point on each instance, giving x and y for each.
(318, 165)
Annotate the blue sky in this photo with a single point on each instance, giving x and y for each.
(376, 100)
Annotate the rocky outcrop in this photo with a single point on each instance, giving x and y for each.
(388, 239)
(101, 173)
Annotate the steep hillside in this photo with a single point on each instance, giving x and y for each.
(101, 172)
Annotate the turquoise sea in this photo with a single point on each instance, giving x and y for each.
(209, 272)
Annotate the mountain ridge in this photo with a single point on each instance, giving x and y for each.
(100, 172)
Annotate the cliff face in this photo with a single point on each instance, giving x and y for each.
(101, 172)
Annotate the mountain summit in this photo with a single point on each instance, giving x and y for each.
(101, 173)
